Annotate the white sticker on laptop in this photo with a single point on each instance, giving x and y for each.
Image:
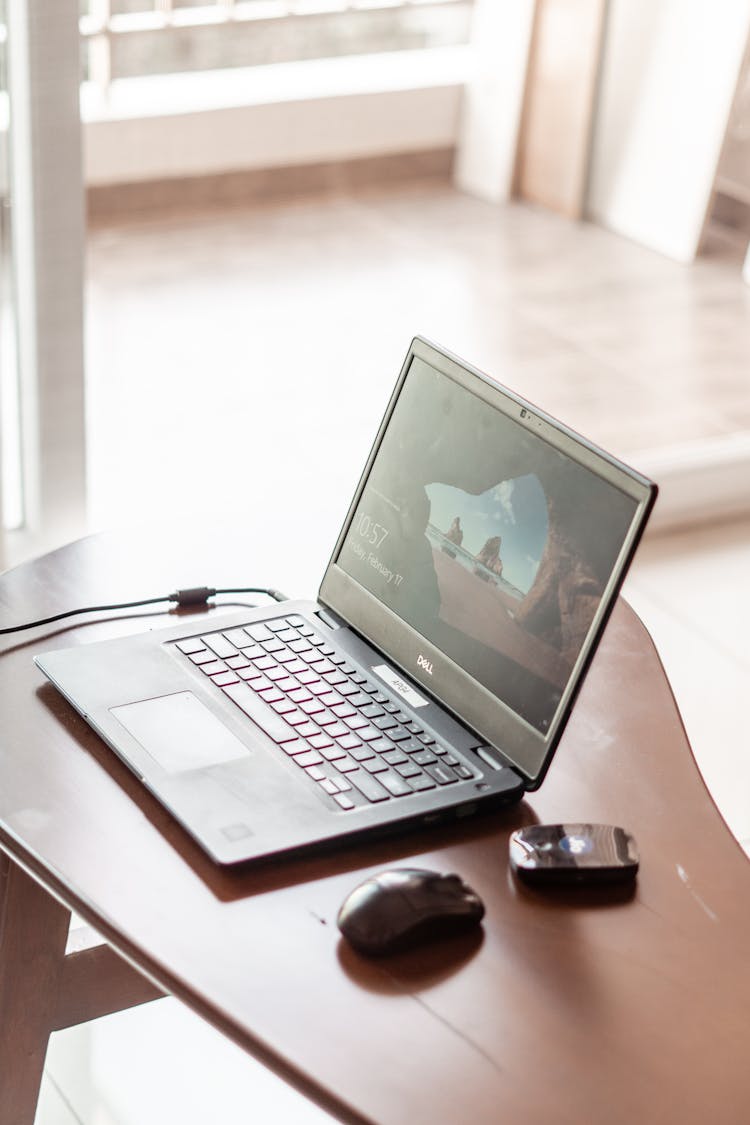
(406, 691)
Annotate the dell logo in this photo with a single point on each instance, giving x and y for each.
(426, 664)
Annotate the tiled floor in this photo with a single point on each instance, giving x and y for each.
(252, 351)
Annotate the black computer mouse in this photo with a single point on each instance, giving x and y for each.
(408, 906)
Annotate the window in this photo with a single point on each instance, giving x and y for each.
(135, 38)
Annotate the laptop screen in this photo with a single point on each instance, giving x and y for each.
(489, 541)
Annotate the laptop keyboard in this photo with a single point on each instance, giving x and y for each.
(337, 724)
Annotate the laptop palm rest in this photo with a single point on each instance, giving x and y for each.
(179, 732)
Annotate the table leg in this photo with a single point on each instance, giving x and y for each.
(33, 934)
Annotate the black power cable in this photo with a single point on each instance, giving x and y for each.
(196, 595)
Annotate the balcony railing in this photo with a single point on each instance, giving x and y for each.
(134, 38)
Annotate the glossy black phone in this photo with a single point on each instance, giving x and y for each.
(573, 853)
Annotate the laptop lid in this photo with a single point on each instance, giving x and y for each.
(483, 552)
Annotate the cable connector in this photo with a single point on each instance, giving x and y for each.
(195, 595)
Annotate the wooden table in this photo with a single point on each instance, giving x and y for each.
(567, 1008)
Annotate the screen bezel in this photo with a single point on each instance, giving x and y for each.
(526, 749)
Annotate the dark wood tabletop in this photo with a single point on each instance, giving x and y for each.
(566, 1007)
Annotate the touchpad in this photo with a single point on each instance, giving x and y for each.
(179, 732)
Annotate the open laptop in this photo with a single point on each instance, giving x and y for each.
(464, 599)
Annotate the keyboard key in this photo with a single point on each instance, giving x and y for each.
(463, 772)
(375, 765)
(382, 744)
(311, 758)
(402, 717)
(348, 669)
(346, 765)
(318, 741)
(300, 695)
(368, 786)
(411, 746)
(356, 722)
(371, 710)
(274, 645)
(277, 673)
(346, 689)
(322, 666)
(316, 773)
(325, 719)
(271, 695)
(421, 782)
(296, 746)
(287, 635)
(288, 683)
(192, 644)
(321, 688)
(395, 784)
(368, 734)
(335, 678)
(399, 735)
(306, 730)
(264, 662)
(238, 661)
(295, 667)
(219, 644)
(251, 673)
(449, 759)
(330, 786)
(442, 774)
(359, 700)
(203, 656)
(424, 758)
(369, 688)
(258, 632)
(394, 757)
(284, 656)
(333, 752)
(331, 699)
(414, 728)
(238, 638)
(379, 697)
(343, 710)
(296, 620)
(258, 710)
(426, 738)
(213, 667)
(384, 722)
(390, 707)
(408, 769)
(296, 718)
(314, 639)
(260, 683)
(326, 650)
(311, 706)
(308, 677)
(343, 737)
(283, 707)
(361, 752)
(276, 626)
(225, 678)
(344, 801)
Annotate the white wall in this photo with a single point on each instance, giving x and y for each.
(493, 99)
(668, 79)
(289, 114)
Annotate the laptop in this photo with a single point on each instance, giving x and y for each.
(434, 675)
